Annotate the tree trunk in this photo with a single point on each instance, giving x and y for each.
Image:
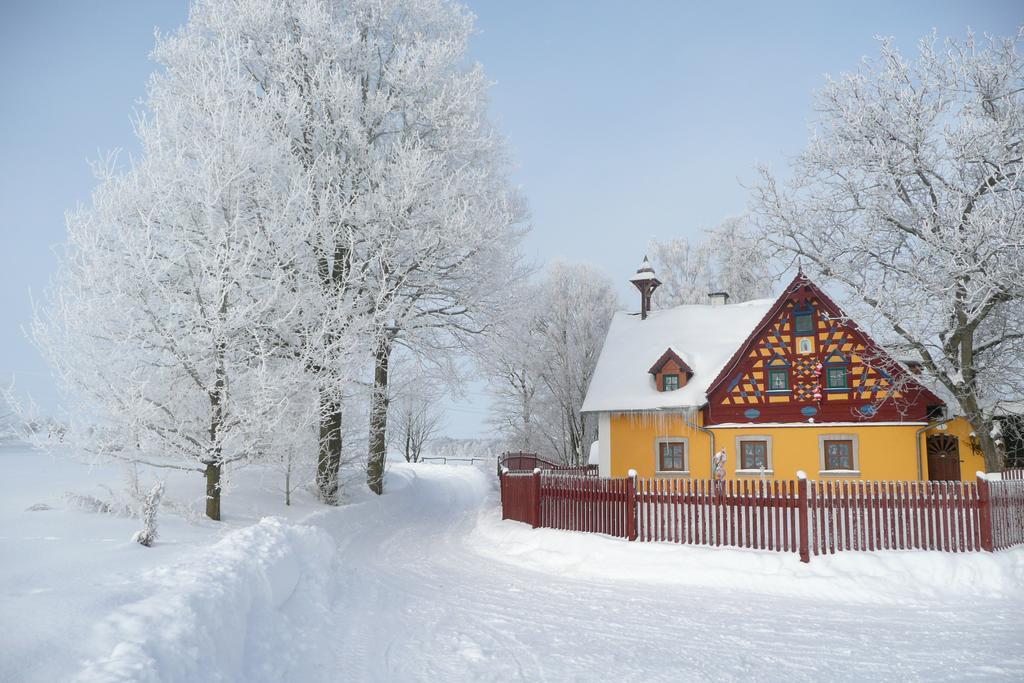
(329, 456)
(982, 427)
(527, 418)
(217, 399)
(288, 485)
(378, 418)
(213, 490)
(969, 402)
(993, 454)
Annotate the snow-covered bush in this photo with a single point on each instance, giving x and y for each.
(150, 505)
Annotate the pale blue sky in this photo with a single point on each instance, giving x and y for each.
(628, 120)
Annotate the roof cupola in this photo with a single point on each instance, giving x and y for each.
(646, 282)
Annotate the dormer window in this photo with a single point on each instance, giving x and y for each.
(670, 372)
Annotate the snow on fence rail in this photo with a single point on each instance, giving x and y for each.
(785, 516)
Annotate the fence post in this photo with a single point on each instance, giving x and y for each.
(984, 512)
(502, 471)
(631, 531)
(801, 493)
(536, 497)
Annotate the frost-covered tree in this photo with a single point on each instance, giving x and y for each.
(684, 268)
(509, 357)
(304, 63)
(449, 220)
(164, 316)
(541, 364)
(575, 307)
(307, 167)
(741, 262)
(910, 198)
(415, 411)
(728, 258)
(411, 212)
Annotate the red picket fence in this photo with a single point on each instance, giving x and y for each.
(894, 515)
(520, 498)
(786, 516)
(587, 504)
(741, 514)
(1006, 509)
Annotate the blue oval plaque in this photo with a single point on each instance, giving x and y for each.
(809, 411)
(751, 413)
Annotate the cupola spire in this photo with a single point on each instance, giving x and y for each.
(646, 282)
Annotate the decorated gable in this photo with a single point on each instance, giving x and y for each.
(806, 360)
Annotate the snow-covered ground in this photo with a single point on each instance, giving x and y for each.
(427, 583)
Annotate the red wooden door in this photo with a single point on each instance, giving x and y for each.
(943, 458)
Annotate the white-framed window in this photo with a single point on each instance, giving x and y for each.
(753, 452)
(839, 454)
(672, 456)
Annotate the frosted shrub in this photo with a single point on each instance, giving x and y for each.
(150, 505)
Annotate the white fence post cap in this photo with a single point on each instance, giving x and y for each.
(536, 470)
(631, 474)
(800, 474)
(504, 470)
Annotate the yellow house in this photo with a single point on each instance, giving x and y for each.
(779, 385)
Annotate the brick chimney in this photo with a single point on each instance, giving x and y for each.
(645, 281)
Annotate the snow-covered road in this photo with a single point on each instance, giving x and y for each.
(426, 583)
(423, 603)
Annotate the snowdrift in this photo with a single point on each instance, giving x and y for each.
(257, 588)
(259, 605)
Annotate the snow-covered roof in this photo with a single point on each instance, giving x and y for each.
(704, 336)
